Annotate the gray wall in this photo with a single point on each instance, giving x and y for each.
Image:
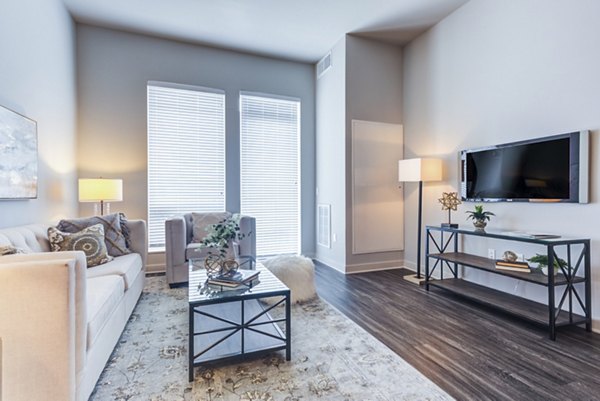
(495, 72)
(113, 70)
(331, 148)
(37, 79)
(373, 93)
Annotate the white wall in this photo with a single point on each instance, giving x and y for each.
(331, 153)
(373, 93)
(113, 70)
(364, 83)
(37, 79)
(495, 72)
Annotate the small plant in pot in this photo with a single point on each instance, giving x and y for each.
(542, 262)
(220, 236)
(480, 217)
(221, 254)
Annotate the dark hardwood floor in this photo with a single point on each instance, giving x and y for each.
(471, 352)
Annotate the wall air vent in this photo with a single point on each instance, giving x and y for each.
(324, 65)
(324, 225)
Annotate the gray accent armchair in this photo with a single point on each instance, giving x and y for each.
(179, 246)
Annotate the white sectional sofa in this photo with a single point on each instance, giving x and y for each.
(59, 320)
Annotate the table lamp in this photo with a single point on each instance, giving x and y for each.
(101, 191)
(419, 170)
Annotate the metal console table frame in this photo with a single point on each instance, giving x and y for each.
(235, 325)
(551, 315)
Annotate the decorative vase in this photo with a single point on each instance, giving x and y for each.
(479, 224)
(545, 270)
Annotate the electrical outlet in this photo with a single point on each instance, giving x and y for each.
(491, 253)
(334, 237)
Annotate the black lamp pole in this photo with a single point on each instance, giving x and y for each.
(419, 230)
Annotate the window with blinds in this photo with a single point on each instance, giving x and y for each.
(186, 154)
(270, 170)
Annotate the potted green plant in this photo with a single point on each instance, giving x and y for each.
(479, 216)
(542, 262)
(220, 236)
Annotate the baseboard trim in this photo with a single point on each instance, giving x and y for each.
(330, 263)
(156, 268)
(374, 266)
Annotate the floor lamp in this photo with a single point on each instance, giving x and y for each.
(419, 170)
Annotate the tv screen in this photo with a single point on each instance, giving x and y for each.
(546, 169)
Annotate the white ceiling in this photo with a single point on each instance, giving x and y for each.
(302, 30)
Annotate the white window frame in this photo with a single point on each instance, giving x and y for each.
(152, 248)
(299, 160)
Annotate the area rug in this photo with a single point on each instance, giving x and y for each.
(332, 359)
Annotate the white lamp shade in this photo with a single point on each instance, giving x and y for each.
(415, 170)
(100, 189)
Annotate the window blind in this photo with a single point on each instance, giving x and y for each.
(186, 154)
(270, 171)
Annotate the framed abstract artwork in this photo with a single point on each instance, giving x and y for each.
(18, 156)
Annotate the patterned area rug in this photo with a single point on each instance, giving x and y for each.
(332, 359)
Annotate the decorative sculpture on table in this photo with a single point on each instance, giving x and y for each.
(217, 265)
(450, 202)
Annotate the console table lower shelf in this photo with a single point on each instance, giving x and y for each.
(522, 308)
(568, 299)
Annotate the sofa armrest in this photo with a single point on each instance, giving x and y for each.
(175, 241)
(138, 239)
(42, 324)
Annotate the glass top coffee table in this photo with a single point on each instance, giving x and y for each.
(234, 324)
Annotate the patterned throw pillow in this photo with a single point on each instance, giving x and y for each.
(114, 237)
(9, 250)
(90, 240)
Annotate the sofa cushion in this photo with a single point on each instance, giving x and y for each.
(115, 230)
(103, 295)
(196, 251)
(127, 267)
(90, 240)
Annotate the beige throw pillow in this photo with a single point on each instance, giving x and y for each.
(202, 221)
(90, 240)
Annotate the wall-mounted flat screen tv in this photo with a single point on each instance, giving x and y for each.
(550, 169)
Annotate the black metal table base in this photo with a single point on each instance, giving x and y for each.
(236, 329)
(553, 314)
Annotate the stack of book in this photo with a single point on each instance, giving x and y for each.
(521, 267)
(234, 280)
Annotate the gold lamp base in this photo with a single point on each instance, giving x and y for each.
(412, 278)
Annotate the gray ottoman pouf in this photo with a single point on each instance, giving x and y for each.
(297, 273)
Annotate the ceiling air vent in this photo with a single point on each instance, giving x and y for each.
(324, 65)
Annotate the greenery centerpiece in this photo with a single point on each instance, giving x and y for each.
(542, 261)
(219, 242)
(479, 216)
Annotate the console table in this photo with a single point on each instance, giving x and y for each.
(445, 245)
